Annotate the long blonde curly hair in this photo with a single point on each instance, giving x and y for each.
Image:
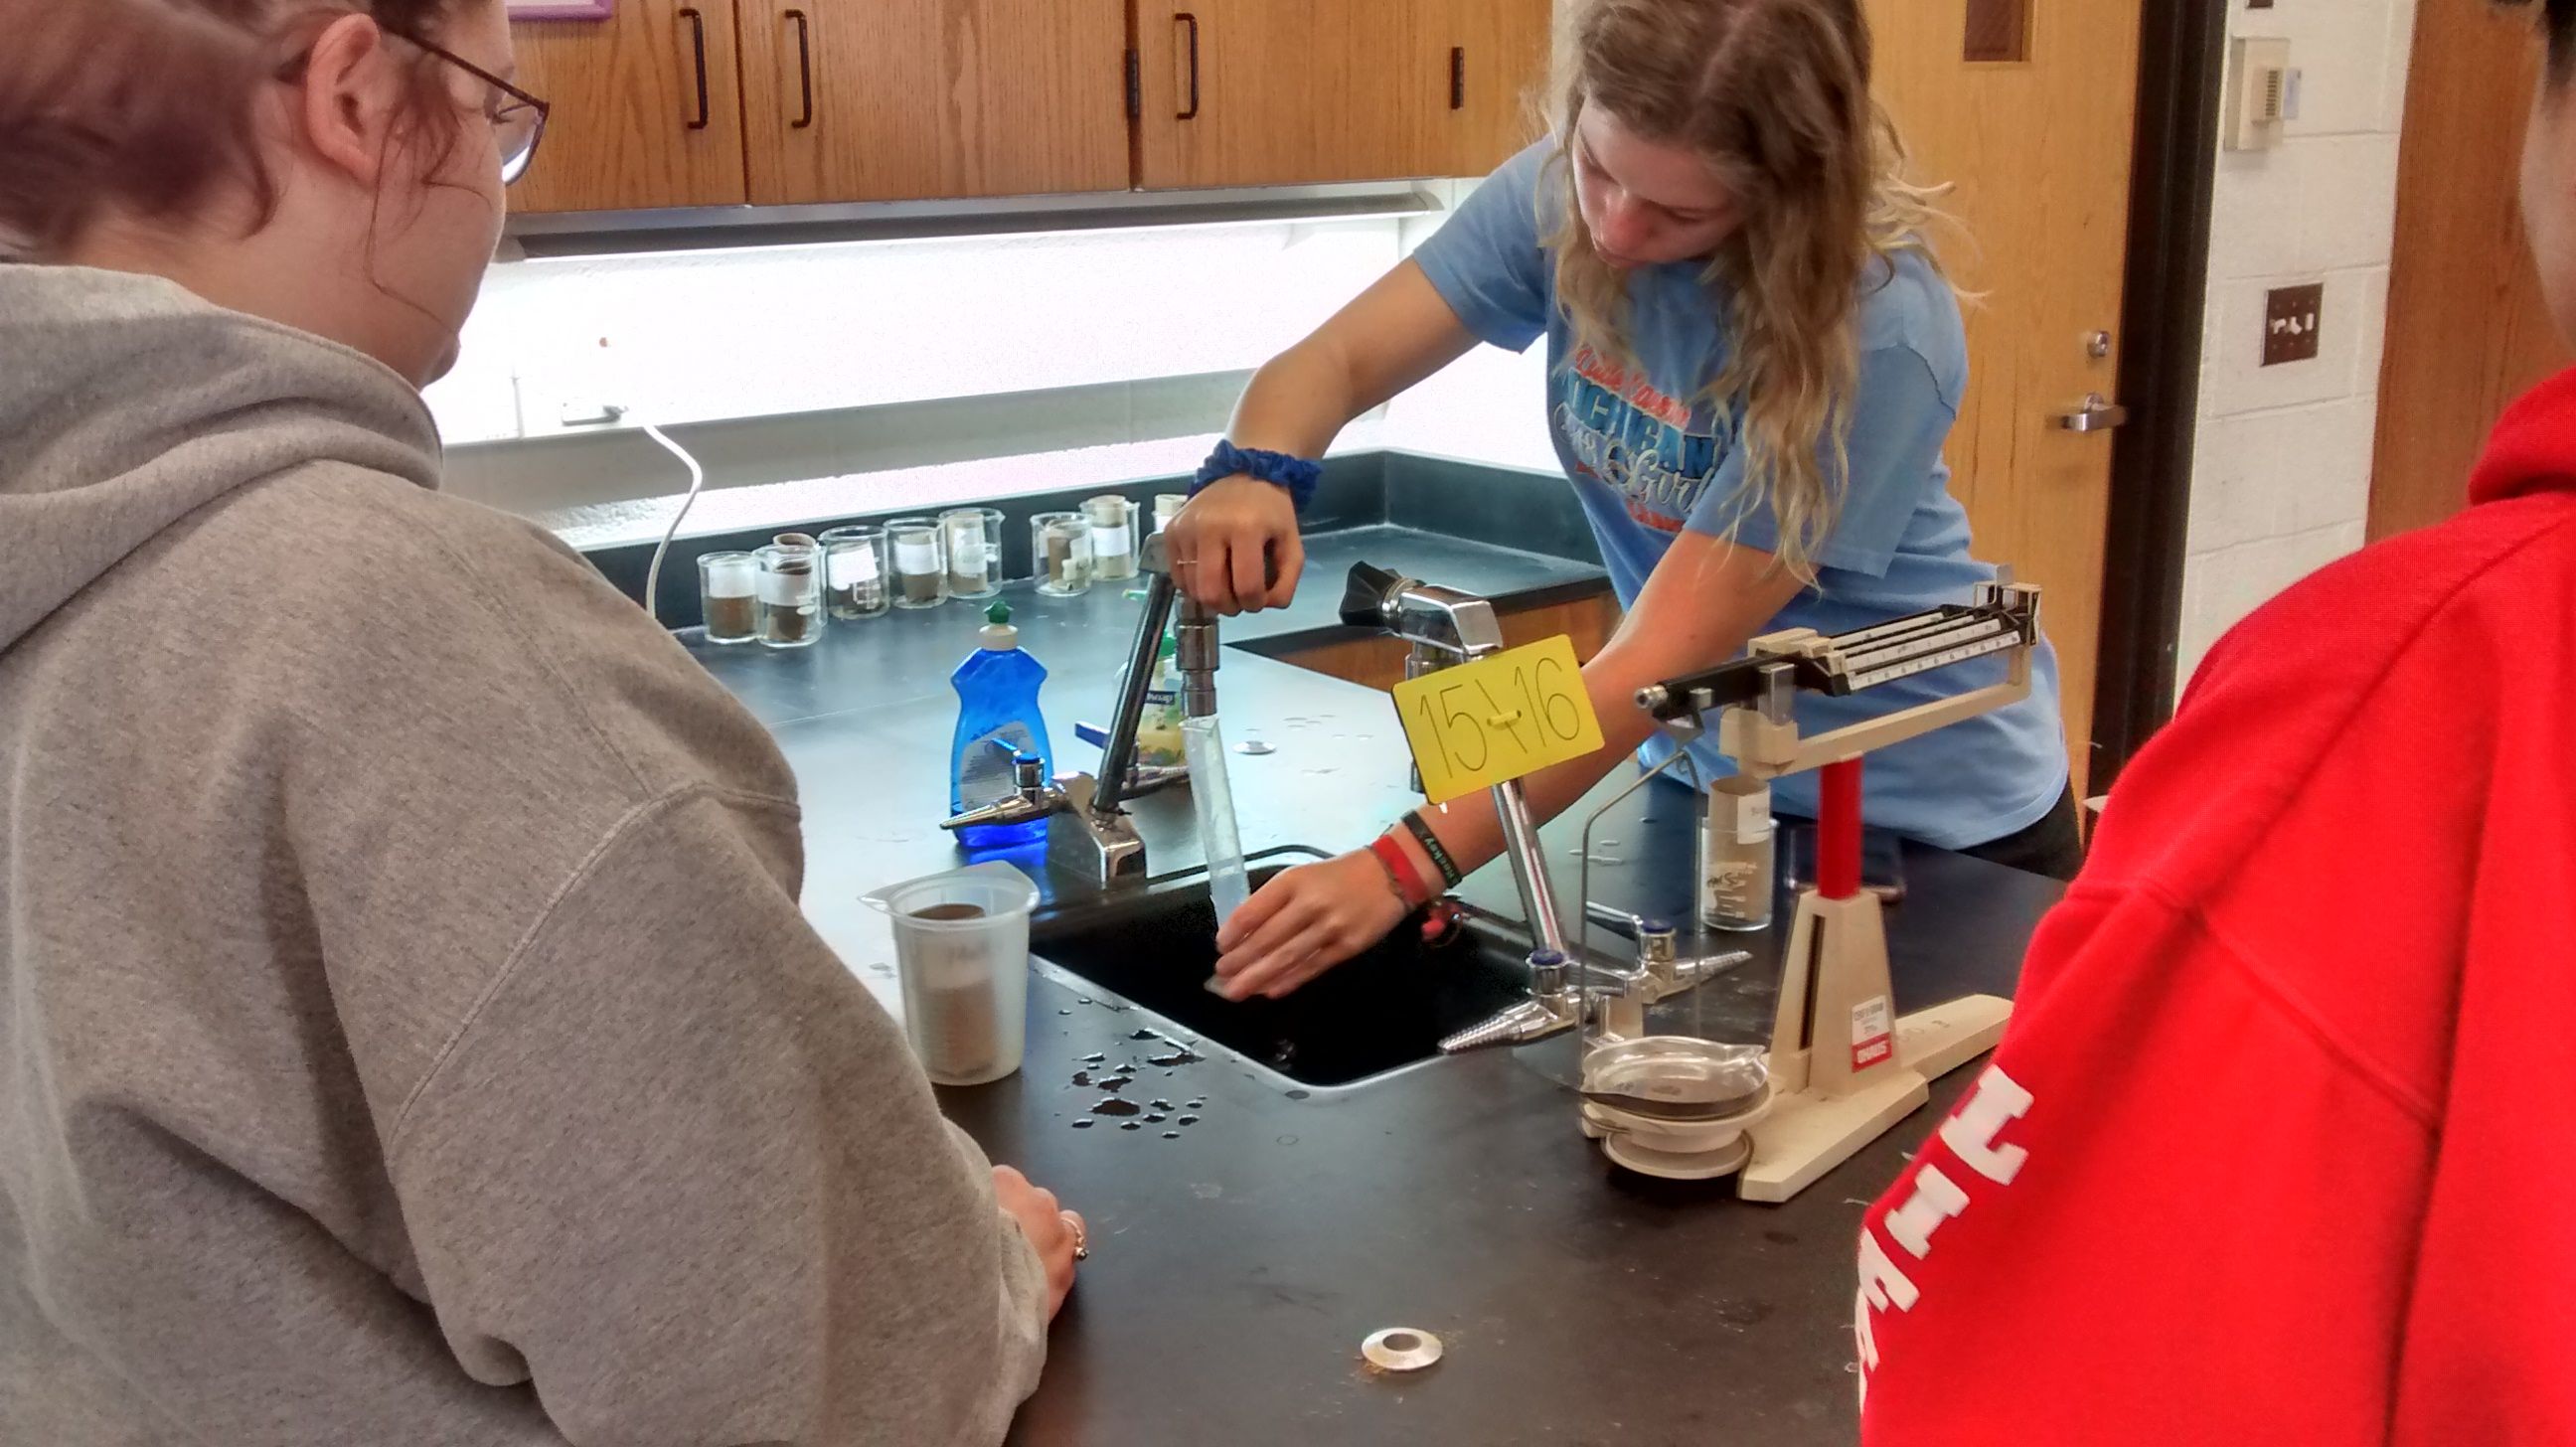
(1776, 94)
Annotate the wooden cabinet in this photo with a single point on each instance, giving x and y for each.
(899, 100)
(1277, 92)
(1492, 60)
(689, 103)
(647, 110)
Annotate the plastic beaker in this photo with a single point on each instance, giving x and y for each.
(961, 948)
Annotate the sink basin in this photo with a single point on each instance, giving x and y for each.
(1374, 1014)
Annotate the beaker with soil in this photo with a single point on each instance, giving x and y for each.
(961, 944)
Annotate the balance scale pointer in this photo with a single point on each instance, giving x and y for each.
(1843, 1065)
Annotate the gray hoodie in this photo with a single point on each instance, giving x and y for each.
(408, 1033)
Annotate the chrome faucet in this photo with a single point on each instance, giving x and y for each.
(1098, 839)
(1446, 626)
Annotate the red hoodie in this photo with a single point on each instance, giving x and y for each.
(2281, 1145)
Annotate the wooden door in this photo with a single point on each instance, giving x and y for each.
(2038, 147)
(2467, 328)
(898, 100)
(647, 110)
(1486, 64)
(1281, 92)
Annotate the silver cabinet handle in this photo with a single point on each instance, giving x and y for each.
(2096, 415)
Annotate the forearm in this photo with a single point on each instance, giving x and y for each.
(1471, 829)
(1298, 402)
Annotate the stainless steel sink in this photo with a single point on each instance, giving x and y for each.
(1378, 1013)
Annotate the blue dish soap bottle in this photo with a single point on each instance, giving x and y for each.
(997, 720)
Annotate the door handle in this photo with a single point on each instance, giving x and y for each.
(804, 68)
(2096, 415)
(698, 49)
(1192, 21)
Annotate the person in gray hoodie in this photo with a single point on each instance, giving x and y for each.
(408, 1031)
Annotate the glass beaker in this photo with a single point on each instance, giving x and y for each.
(791, 594)
(729, 596)
(920, 563)
(961, 946)
(1737, 855)
(974, 542)
(857, 568)
(1060, 549)
(1113, 537)
(1167, 506)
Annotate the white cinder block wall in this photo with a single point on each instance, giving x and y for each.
(2281, 477)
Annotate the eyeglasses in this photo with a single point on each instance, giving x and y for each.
(518, 118)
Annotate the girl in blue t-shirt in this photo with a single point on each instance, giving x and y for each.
(1753, 363)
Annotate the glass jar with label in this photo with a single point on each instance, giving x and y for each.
(1167, 506)
(729, 596)
(920, 563)
(1060, 547)
(858, 569)
(973, 536)
(791, 594)
(1113, 537)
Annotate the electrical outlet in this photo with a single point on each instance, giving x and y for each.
(2293, 319)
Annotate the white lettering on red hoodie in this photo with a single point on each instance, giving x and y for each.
(2281, 1144)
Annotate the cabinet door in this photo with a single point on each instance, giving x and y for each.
(1489, 58)
(647, 110)
(1282, 92)
(898, 100)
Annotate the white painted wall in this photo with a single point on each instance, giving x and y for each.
(2281, 479)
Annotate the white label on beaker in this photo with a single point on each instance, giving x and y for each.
(917, 555)
(1110, 542)
(853, 566)
(1753, 815)
(786, 590)
(967, 553)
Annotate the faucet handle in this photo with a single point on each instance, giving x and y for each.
(1548, 973)
(1364, 596)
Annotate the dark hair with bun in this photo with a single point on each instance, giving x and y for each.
(144, 107)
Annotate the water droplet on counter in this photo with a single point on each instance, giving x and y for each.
(1131, 1125)
(1171, 1135)
(1300, 1094)
(1255, 747)
(1064, 1012)
(1287, 1140)
(1114, 1106)
(1094, 1058)
(1189, 1120)
(1082, 1125)
(1083, 999)
(1144, 1035)
(1160, 1105)
(1156, 1118)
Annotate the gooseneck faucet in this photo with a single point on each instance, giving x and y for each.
(1101, 842)
(1446, 626)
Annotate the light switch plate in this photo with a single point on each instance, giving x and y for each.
(2293, 319)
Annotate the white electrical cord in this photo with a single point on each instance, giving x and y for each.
(697, 482)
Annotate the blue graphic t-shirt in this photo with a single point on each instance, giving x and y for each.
(1648, 461)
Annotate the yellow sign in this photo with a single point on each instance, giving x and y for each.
(1479, 724)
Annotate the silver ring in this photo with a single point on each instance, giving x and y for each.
(1081, 1235)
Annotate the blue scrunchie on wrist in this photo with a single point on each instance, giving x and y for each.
(1299, 475)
